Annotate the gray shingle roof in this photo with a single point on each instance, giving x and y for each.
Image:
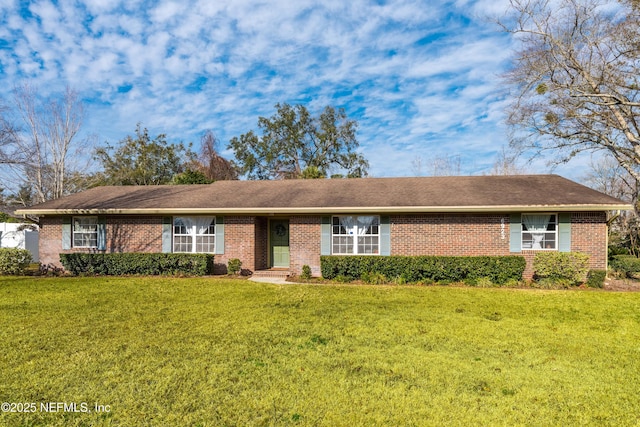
(425, 194)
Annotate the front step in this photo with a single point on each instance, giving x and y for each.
(273, 272)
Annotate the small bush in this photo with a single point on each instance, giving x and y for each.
(567, 268)
(374, 278)
(14, 261)
(234, 266)
(116, 264)
(615, 250)
(596, 278)
(625, 265)
(306, 272)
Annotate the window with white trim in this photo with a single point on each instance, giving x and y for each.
(355, 235)
(540, 231)
(85, 232)
(196, 234)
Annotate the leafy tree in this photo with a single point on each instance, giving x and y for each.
(23, 197)
(293, 141)
(39, 140)
(141, 160)
(190, 177)
(576, 77)
(312, 172)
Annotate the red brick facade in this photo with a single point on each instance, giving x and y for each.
(125, 233)
(450, 234)
(488, 234)
(304, 243)
(246, 238)
(50, 241)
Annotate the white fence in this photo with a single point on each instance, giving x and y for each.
(13, 235)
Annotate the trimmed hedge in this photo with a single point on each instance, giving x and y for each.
(115, 264)
(411, 269)
(14, 261)
(569, 267)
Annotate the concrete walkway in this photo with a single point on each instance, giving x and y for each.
(275, 280)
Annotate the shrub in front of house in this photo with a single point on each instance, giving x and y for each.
(596, 278)
(234, 266)
(561, 268)
(14, 261)
(426, 269)
(115, 264)
(306, 272)
(627, 266)
(374, 278)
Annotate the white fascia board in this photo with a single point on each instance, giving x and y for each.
(328, 210)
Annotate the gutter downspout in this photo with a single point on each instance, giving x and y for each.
(616, 215)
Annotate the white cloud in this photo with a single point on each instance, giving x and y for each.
(166, 11)
(101, 6)
(420, 77)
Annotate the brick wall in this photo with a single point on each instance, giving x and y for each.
(246, 238)
(129, 233)
(449, 234)
(50, 240)
(588, 235)
(125, 233)
(239, 242)
(304, 243)
(488, 234)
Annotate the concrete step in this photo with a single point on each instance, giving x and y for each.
(272, 272)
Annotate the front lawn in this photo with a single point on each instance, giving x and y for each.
(209, 352)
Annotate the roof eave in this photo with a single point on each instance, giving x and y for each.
(329, 210)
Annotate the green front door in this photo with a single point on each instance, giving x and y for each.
(279, 243)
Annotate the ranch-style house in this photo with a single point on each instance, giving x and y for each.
(290, 223)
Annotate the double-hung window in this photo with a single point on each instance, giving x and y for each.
(85, 232)
(540, 231)
(194, 234)
(355, 235)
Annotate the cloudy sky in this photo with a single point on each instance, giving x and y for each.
(421, 77)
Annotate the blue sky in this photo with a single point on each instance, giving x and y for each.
(420, 77)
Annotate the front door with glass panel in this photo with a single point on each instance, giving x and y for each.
(279, 243)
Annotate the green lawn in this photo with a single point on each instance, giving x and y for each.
(209, 352)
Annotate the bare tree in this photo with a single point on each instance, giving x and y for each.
(606, 175)
(506, 163)
(7, 135)
(210, 163)
(416, 166)
(445, 165)
(39, 136)
(576, 78)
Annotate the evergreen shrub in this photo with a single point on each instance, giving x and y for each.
(129, 263)
(425, 269)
